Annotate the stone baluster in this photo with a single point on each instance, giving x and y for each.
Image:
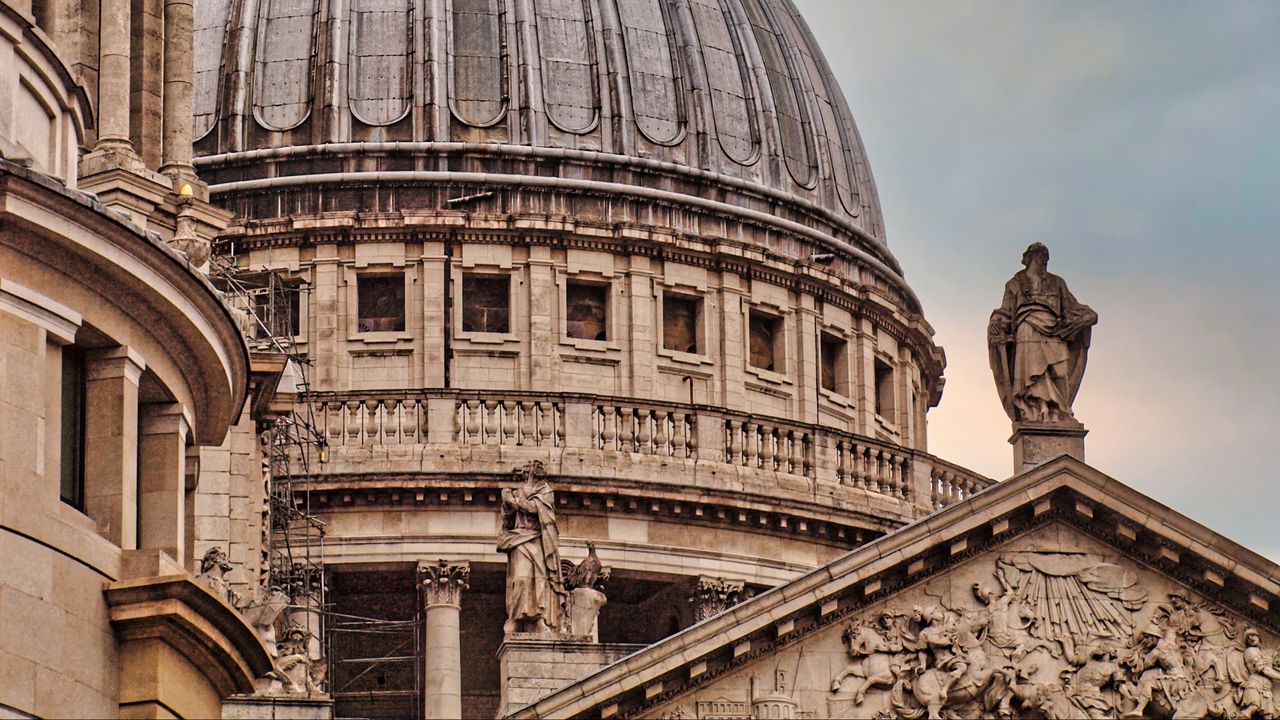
(508, 423)
(558, 412)
(899, 485)
(442, 585)
(334, 415)
(644, 436)
(859, 466)
(660, 435)
(842, 464)
(752, 449)
(733, 442)
(799, 464)
(767, 454)
(679, 434)
(471, 423)
(527, 430)
(353, 422)
(693, 435)
(489, 428)
(546, 422)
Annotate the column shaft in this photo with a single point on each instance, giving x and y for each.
(442, 585)
(178, 78)
(113, 74)
(443, 686)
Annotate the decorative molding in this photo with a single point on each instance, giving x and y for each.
(443, 582)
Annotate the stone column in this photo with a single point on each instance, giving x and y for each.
(113, 76)
(162, 454)
(712, 596)
(178, 78)
(111, 443)
(442, 585)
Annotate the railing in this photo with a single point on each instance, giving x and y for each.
(768, 452)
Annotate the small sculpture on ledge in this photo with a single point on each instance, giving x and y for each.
(535, 592)
(213, 569)
(1038, 339)
(585, 583)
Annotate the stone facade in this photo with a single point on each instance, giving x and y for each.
(632, 244)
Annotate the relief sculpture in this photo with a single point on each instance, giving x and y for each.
(1055, 636)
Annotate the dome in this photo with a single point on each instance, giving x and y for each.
(725, 105)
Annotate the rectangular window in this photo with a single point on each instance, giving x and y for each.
(486, 303)
(585, 311)
(884, 390)
(279, 310)
(71, 462)
(381, 302)
(765, 348)
(680, 322)
(835, 368)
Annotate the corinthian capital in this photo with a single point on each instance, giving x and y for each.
(714, 595)
(442, 582)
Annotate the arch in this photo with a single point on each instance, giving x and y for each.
(379, 70)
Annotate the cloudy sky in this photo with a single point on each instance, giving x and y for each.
(1140, 141)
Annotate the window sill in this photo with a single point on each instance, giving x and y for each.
(590, 345)
(486, 338)
(390, 336)
(837, 399)
(769, 376)
(684, 357)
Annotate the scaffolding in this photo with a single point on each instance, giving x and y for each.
(267, 306)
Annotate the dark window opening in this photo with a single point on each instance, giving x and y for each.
(280, 310)
(381, 303)
(884, 390)
(680, 323)
(764, 350)
(586, 311)
(71, 462)
(486, 303)
(834, 363)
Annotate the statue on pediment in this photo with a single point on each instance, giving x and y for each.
(1038, 340)
(535, 593)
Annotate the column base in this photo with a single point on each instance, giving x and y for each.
(1035, 444)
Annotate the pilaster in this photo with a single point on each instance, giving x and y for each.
(162, 451)
(111, 443)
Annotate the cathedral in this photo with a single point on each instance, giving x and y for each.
(532, 359)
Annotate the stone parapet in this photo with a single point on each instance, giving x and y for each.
(700, 448)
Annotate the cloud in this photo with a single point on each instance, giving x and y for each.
(1138, 140)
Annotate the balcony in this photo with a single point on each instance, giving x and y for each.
(597, 445)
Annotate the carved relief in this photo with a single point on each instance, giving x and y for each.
(1059, 635)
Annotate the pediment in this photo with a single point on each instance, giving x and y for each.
(1059, 593)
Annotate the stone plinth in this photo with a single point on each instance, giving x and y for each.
(533, 667)
(1035, 444)
(249, 707)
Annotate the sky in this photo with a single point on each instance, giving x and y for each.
(1140, 141)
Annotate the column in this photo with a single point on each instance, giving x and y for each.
(178, 78)
(442, 585)
(111, 443)
(113, 76)
(162, 454)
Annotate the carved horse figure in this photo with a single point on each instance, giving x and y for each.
(874, 647)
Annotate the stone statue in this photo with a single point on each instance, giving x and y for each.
(213, 569)
(1039, 339)
(585, 584)
(536, 595)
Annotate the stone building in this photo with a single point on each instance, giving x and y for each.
(304, 284)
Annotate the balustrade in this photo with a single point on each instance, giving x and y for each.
(453, 418)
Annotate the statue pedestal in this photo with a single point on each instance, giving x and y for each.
(1037, 443)
(534, 666)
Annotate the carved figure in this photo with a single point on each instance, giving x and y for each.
(1039, 339)
(213, 569)
(535, 590)
(586, 573)
(1254, 672)
(1065, 637)
(873, 646)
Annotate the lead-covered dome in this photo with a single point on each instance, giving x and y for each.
(724, 101)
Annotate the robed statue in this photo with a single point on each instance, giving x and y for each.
(535, 586)
(1038, 338)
